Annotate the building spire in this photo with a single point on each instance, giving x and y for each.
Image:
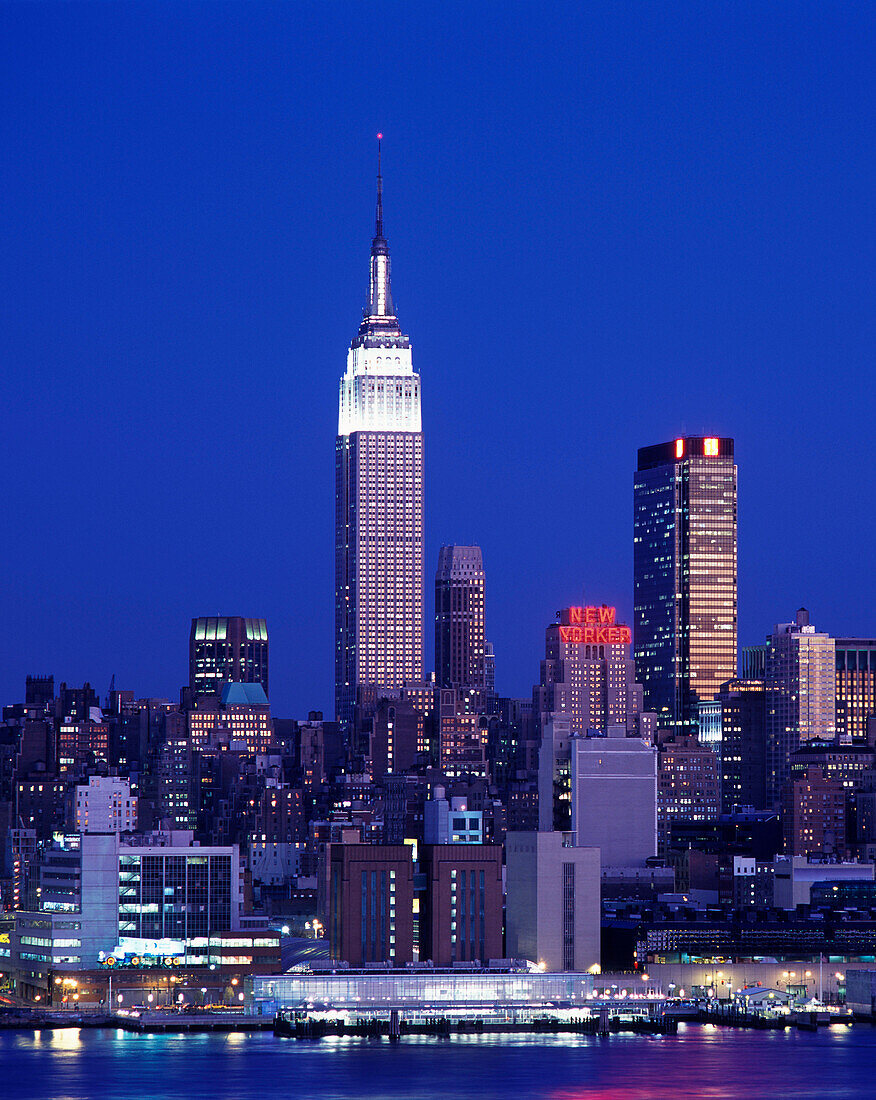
(378, 227)
(380, 318)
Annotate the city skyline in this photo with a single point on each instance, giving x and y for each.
(126, 520)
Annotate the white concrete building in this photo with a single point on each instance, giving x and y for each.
(105, 805)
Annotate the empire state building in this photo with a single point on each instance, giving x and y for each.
(379, 502)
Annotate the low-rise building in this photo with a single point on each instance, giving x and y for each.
(795, 876)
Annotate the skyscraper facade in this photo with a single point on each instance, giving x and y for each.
(684, 574)
(743, 745)
(224, 648)
(459, 618)
(855, 688)
(587, 673)
(587, 684)
(379, 501)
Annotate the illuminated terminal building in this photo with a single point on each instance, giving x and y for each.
(379, 503)
(497, 992)
(684, 562)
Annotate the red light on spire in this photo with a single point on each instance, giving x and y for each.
(380, 137)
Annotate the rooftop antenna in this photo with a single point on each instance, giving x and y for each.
(379, 218)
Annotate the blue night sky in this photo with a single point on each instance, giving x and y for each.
(610, 224)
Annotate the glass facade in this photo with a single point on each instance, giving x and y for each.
(684, 575)
(743, 745)
(437, 992)
(223, 649)
(855, 687)
(174, 896)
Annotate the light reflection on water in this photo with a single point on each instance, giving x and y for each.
(65, 1038)
(698, 1064)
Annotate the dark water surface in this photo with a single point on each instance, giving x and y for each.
(705, 1062)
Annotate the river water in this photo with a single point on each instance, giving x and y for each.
(701, 1062)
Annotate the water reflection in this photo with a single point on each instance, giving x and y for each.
(66, 1038)
(697, 1064)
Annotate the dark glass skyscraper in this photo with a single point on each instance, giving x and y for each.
(223, 648)
(684, 561)
(459, 619)
(378, 502)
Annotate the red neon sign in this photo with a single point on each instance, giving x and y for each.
(592, 614)
(595, 625)
(600, 635)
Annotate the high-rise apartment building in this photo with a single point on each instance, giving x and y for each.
(460, 644)
(397, 737)
(462, 735)
(227, 648)
(105, 805)
(83, 744)
(814, 815)
(490, 669)
(684, 556)
(688, 784)
(800, 684)
(379, 501)
(240, 714)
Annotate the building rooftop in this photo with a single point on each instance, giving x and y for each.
(252, 695)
